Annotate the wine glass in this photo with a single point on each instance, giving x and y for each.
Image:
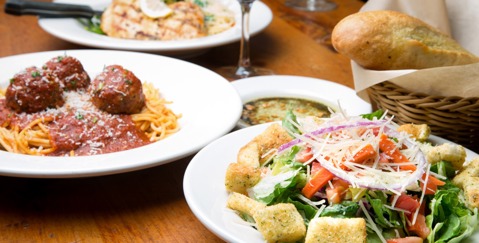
(244, 69)
(311, 5)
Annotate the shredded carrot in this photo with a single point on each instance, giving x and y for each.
(317, 181)
(390, 149)
(366, 153)
(432, 184)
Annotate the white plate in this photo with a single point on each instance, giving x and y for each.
(69, 29)
(326, 92)
(194, 91)
(205, 192)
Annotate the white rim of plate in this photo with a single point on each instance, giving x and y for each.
(261, 17)
(210, 209)
(197, 131)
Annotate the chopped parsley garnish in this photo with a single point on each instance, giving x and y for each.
(36, 74)
(200, 3)
(128, 82)
(60, 58)
(95, 119)
(12, 80)
(78, 116)
(209, 18)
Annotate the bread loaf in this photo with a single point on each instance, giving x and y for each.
(389, 40)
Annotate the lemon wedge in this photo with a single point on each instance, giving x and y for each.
(155, 8)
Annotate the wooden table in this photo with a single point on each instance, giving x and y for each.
(149, 205)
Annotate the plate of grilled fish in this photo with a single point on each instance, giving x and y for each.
(169, 27)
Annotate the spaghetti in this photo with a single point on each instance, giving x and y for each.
(79, 128)
(156, 120)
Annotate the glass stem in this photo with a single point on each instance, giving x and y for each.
(244, 63)
(311, 4)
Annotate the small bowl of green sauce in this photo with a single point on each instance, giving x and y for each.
(264, 110)
(268, 98)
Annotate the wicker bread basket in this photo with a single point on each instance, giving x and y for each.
(452, 118)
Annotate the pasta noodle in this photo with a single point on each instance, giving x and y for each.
(156, 120)
(218, 17)
(220, 23)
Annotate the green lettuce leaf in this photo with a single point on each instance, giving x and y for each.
(376, 114)
(444, 168)
(93, 25)
(307, 211)
(345, 209)
(276, 188)
(450, 219)
(384, 217)
(284, 181)
(288, 125)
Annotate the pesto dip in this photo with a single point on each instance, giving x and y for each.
(266, 110)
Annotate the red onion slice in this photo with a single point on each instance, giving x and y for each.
(330, 129)
(377, 178)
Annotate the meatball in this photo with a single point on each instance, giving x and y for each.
(69, 71)
(117, 90)
(33, 90)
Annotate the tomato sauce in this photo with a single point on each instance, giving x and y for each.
(83, 131)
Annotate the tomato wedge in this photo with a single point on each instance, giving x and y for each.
(407, 203)
(419, 227)
(410, 205)
(336, 192)
(304, 155)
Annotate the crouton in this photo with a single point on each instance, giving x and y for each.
(419, 132)
(253, 152)
(240, 177)
(471, 170)
(468, 180)
(249, 154)
(280, 223)
(471, 192)
(472, 164)
(244, 204)
(336, 230)
(453, 153)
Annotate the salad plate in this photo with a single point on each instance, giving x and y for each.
(207, 196)
(322, 91)
(178, 81)
(71, 30)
